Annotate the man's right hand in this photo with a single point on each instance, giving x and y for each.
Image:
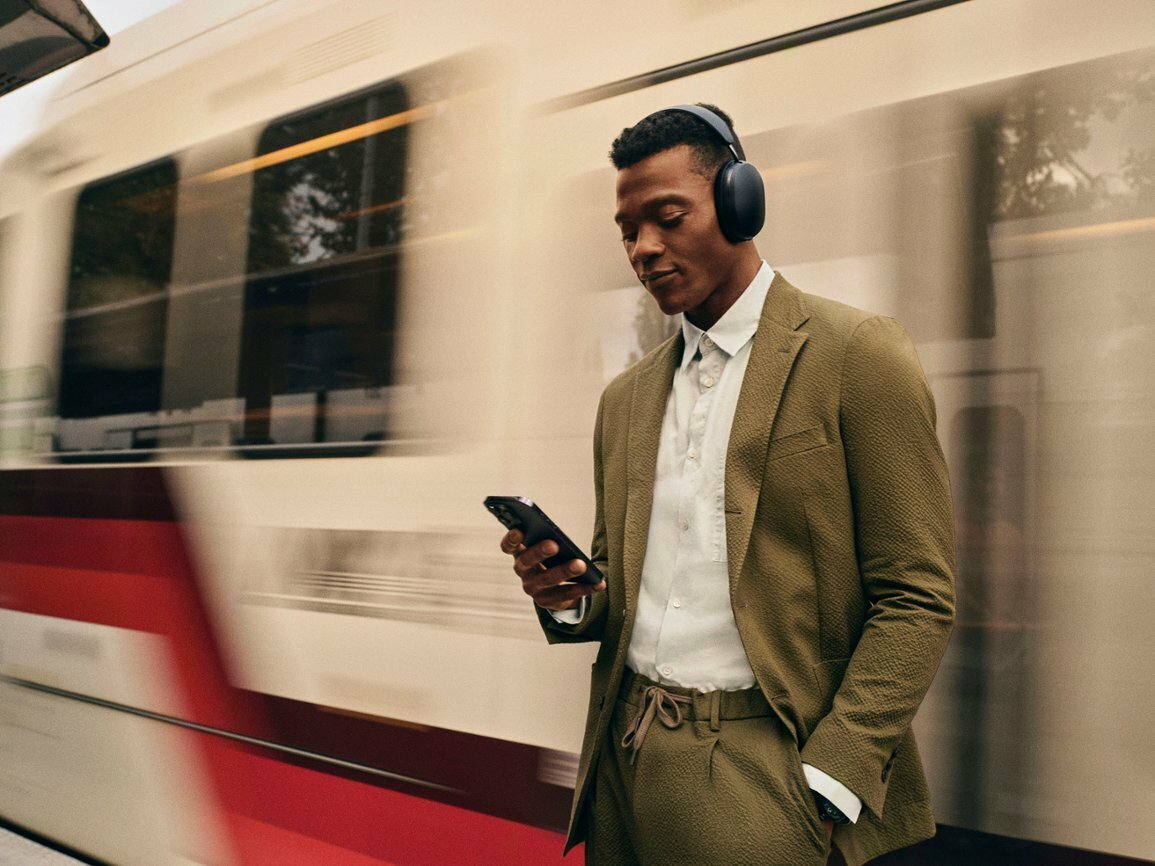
(551, 588)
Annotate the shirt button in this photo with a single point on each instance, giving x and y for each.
(677, 602)
(708, 382)
(666, 671)
(691, 453)
(685, 525)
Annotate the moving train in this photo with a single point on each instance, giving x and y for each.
(287, 287)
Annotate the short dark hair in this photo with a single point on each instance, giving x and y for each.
(666, 129)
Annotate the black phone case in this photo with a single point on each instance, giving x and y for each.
(517, 512)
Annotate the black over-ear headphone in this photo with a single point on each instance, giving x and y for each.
(739, 194)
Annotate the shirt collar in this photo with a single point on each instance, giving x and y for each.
(737, 325)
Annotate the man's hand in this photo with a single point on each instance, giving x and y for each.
(550, 588)
(829, 827)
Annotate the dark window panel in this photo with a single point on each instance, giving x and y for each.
(113, 349)
(320, 297)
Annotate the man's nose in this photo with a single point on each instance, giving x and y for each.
(647, 246)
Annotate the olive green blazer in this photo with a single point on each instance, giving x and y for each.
(840, 545)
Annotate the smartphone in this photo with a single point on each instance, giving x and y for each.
(517, 512)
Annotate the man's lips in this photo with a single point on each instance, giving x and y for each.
(656, 276)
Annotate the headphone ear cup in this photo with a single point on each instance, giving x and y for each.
(740, 200)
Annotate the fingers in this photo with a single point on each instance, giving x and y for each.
(555, 588)
(530, 560)
(511, 542)
(564, 596)
(535, 576)
(527, 561)
(551, 588)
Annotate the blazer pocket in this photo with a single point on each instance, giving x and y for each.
(793, 443)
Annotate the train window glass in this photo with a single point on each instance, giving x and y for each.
(266, 325)
(1072, 140)
(114, 325)
(320, 293)
(878, 209)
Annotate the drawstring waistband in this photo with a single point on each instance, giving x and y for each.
(656, 703)
(673, 705)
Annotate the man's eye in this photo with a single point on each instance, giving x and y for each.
(672, 221)
(628, 237)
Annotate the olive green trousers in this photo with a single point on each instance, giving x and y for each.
(700, 778)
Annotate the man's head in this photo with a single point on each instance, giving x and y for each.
(666, 165)
(665, 129)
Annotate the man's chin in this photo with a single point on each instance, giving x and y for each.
(671, 306)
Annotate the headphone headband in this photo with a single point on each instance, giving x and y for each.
(715, 122)
(739, 195)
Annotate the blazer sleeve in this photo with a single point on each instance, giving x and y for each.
(904, 541)
(592, 624)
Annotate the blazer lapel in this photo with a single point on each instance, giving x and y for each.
(772, 355)
(647, 410)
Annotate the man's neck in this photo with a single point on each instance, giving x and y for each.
(718, 303)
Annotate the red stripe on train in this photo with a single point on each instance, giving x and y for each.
(137, 575)
(129, 574)
(388, 825)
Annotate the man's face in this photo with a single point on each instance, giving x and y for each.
(670, 233)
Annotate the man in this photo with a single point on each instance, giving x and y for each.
(773, 521)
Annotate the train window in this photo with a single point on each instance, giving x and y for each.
(320, 293)
(114, 325)
(274, 334)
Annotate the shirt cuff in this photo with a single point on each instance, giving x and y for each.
(573, 616)
(834, 791)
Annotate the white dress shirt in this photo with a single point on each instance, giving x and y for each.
(684, 630)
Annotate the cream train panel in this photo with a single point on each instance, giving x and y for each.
(397, 604)
(72, 769)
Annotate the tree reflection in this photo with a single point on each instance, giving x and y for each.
(651, 326)
(1044, 141)
(334, 201)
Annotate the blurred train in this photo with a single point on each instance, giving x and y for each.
(288, 286)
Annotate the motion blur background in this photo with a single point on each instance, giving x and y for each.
(276, 280)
